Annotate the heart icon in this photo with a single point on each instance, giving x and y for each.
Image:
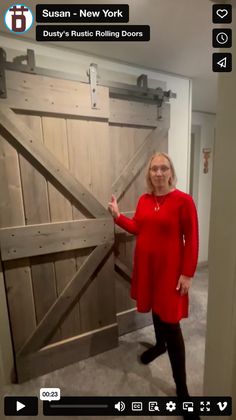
(222, 13)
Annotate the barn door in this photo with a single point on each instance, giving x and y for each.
(60, 159)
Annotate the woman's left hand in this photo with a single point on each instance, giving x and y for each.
(184, 284)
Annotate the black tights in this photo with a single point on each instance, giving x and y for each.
(171, 335)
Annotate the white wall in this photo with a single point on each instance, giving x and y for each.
(206, 125)
(78, 63)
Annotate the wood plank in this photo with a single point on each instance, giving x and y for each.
(79, 135)
(164, 120)
(67, 352)
(20, 300)
(135, 137)
(94, 313)
(54, 237)
(122, 151)
(44, 285)
(65, 268)
(17, 274)
(133, 113)
(126, 141)
(89, 146)
(74, 289)
(34, 184)
(42, 94)
(55, 140)
(36, 206)
(6, 355)
(11, 197)
(129, 201)
(21, 134)
(98, 302)
(136, 163)
(139, 182)
(100, 155)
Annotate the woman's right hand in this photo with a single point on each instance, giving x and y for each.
(113, 207)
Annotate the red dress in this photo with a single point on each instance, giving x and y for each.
(166, 247)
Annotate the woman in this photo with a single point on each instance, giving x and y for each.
(165, 260)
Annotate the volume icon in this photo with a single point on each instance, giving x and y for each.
(120, 406)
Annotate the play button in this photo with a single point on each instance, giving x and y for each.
(21, 406)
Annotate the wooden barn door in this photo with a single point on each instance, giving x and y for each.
(60, 160)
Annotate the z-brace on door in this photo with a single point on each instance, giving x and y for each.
(60, 162)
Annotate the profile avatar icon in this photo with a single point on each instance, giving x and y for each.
(18, 18)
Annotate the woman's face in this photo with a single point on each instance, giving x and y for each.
(160, 172)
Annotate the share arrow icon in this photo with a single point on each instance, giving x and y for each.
(223, 62)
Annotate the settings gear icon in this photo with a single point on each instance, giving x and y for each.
(170, 406)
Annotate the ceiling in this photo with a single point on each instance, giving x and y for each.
(180, 43)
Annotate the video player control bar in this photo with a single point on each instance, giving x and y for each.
(138, 406)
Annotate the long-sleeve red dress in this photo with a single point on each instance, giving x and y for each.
(166, 247)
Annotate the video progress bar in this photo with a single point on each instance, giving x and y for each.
(79, 406)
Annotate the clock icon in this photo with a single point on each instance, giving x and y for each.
(222, 38)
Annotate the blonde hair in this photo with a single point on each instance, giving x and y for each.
(173, 179)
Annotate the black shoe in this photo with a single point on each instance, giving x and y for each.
(149, 355)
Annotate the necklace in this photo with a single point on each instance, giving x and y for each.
(162, 200)
(158, 204)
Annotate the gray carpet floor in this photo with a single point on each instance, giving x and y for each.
(118, 371)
